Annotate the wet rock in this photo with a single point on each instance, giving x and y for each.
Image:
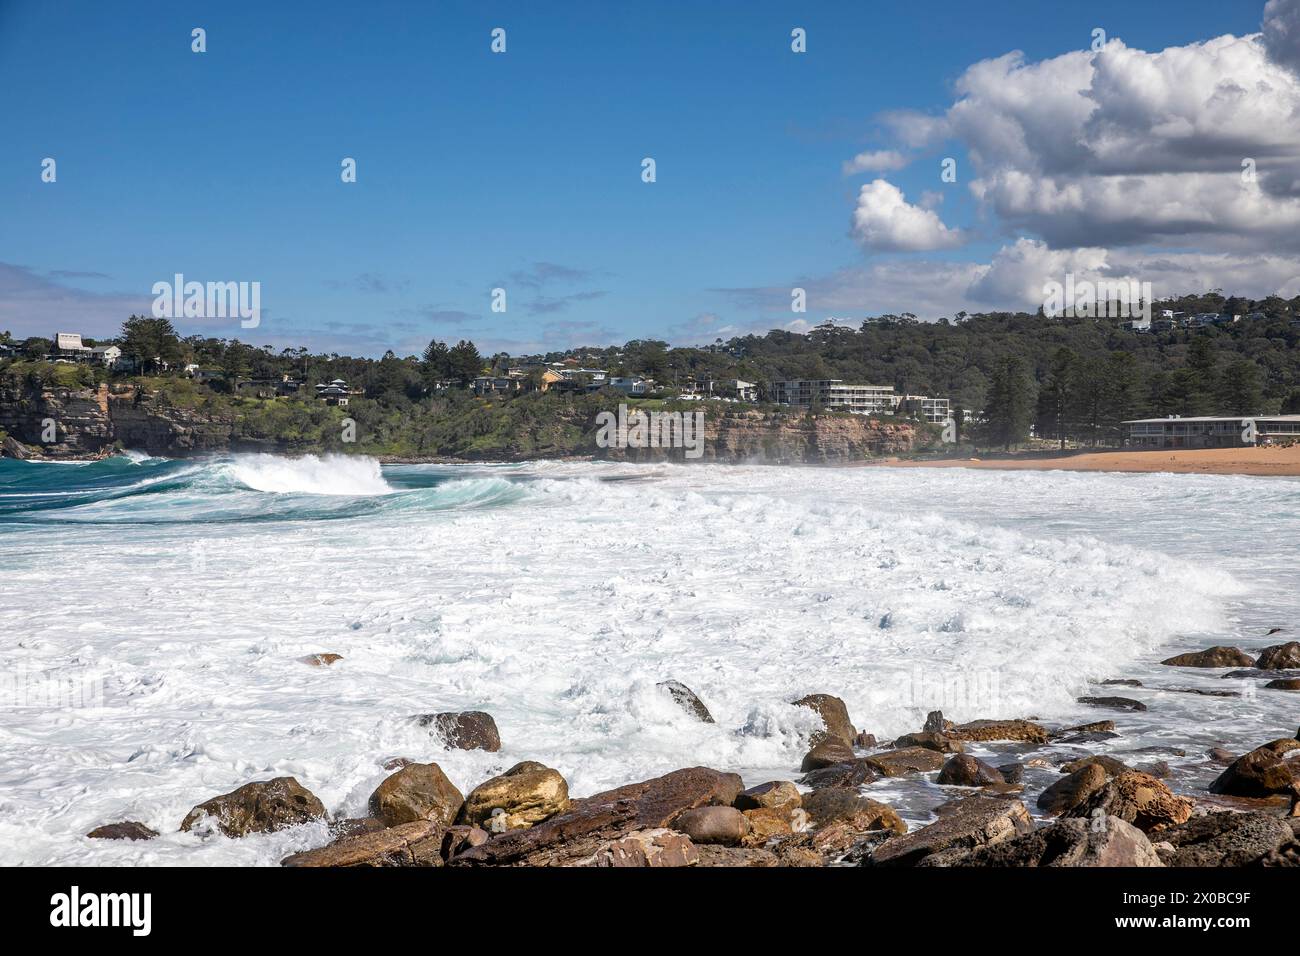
(1225, 839)
(974, 821)
(528, 793)
(851, 773)
(126, 830)
(1112, 766)
(1012, 773)
(724, 825)
(776, 795)
(834, 714)
(941, 743)
(736, 856)
(658, 847)
(260, 807)
(1018, 730)
(865, 741)
(419, 791)
(1121, 682)
(396, 763)
(1218, 656)
(935, 723)
(1114, 703)
(1091, 737)
(768, 823)
(1096, 727)
(1220, 755)
(418, 843)
(1159, 769)
(897, 763)
(831, 750)
(1104, 841)
(1072, 790)
(1279, 656)
(835, 805)
(354, 826)
(964, 770)
(590, 823)
(686, 699)
(1287, 683)
(320, 660)
(1139, 799)
(466, 730)
(1259, 773)
(461, 837)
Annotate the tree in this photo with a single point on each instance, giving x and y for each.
(1240, 391)
(236, 363)
(1011, 403)
(464, 362)
(1056, 397)
(151, 341)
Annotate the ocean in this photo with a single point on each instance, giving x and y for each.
(154, 612)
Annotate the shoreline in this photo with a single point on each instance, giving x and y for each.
(1267, 462)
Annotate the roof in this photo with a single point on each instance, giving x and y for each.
(1212, 418)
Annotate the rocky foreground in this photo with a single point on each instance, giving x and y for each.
(1100, 812)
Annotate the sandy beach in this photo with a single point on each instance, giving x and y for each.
(1268, 461)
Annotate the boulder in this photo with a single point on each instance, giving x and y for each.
(865, 741)
(1012, 773)
(851, 773)
(1096, 727)
(1220, 755)
(685, 698)
(418, 843)
(931, 741)
(935, 723)
(964, 770)
(776, 795)
(1225, 839)
(320, 660)
(1101, 841)
(897, 763)
(974, 821)
(1279, 656)
(1259, 773)
(1137, 798)
(1112, 766)
(831, 750)
(462, 837)
(1218, 656)
(467, 730)
(1072, 790)
(419, 791)
(724, 825)
(589, 824)
(1114, 703)
(1286, 683)
(767, 823)
(1019, 730)
(528, 793)
(657, 847)
(261, 807)
(1121, 682)
(834, 714)
(835, 805)
(126, 830)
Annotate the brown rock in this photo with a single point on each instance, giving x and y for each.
(1279, 656)
(1114, 703)
(467, 730)
(831, 750)
(261, 807)
(1139, 799)
(320, 660)
(724, 825)
(897, 763)
(650, 804)
(974, 821)
(736, 857)
(1225, 839)
(1218, 656)
(1286, 683)
(1259, 773)
(418, 843)
(1096, 727)
(657, 847)
(126, 830)
(1112, 766)
(1220, 755)
(935, 723)
(528, 793)
(420, 791)
(776, 795)
(1022, 730)
(865, 741)
(462, 837)
(834, 714)
(835, 805)
(766, 823)
(964, 770)
(354, 826)
(1074, 789)
(1105, 841)
(851, 773)
(941, 743)
(686, 699)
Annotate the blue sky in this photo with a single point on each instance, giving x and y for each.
(519, 170)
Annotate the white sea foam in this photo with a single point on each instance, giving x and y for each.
(560, 606)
